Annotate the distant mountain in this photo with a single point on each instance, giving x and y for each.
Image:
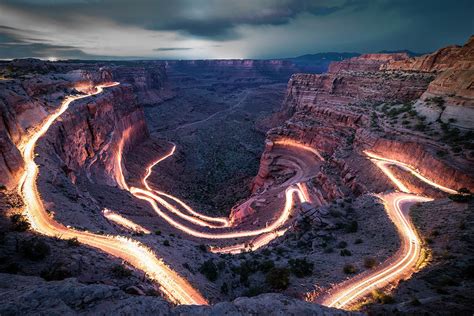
(318, 63)
(409, 52)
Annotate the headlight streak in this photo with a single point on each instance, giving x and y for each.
(403, 264)
(174, 287)
(124, 222)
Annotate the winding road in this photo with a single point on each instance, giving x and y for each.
(176, 288)
(404, 263)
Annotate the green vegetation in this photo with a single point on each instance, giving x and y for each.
(381, 297)
(352, 227)
(158, 232)
(370, 262)
(19, 222)
(34, 249)
(120, 271)
(463, 196)
(209, 270)
(278, 278)
(73, 242)
(345, 253)
(301, 267)
(349, 269)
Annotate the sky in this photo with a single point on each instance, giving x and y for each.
(223, 29)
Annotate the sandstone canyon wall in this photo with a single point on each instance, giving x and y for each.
(93, 130)
(335, 110)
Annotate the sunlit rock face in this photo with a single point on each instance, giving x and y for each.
(327, 110)
(453, 85)
(89, 135)
(26, 102)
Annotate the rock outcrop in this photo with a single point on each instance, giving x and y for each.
(33, 296)
(450, 97)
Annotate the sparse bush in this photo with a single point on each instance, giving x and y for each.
(34, 249)
(352, 227)
(358, 241)
(209, 270)
(370, 262)
(224, 288)
(121, 271)
(202, 247)
(345, 253)
(158, 232)
(463, 196)
(73, 242)
(301, 267)
(19, 222)
(278, 278)
(2, 187)
(166, 243)
(349, 269)
(56, 272)
(266, 266)
(381, 297)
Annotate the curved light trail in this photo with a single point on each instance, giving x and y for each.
(138, 255)
(124, 222)
(403, 264)
(410, 169)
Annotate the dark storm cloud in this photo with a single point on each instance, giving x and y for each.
(168, 49)
(213, 19)
(227, 28)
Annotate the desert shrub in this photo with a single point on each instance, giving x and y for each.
(370, 262)
(120, 271)
(358, 241)
(342, 244)
(381, 297)
(166, 243)
(224, 288)
(301, 267)
(73, 242)
(158, 232)
(266, 266)
(352, 227)
(254, 291)
(209, 270)
(2, 187)
(19, 222)
(56, 272)
(202, 247)
(34, 249)
(345, 252)
(349, 269)
(278, 278)
(463, 196)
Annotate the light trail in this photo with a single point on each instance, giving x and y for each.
(292, 143)
(201, 218)
(410, 169)
(124, 222)
(174, 287)
(253, 245)
(403, 264)
(397, 206)
(150, 197)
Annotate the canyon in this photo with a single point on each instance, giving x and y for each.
(236, 139)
